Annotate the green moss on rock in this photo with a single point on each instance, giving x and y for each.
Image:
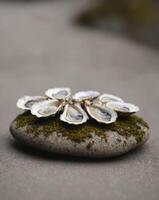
(130, 126)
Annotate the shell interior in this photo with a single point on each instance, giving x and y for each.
(46, 108)
(102, 114)
(123, 107)
(27, 102)
(74, 114)
(85, 95)
(59, 93)
(105, 98)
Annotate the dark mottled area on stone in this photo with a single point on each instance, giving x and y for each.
(128, 126)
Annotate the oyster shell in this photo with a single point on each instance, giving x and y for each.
(74, 114)
(103, 108)
(105, 98)
(27, 102)
(101, 113)
(85, 95)
(59, 93)
(123, 108)
(46, 108)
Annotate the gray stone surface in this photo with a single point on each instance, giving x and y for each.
(40, 47)
(113, 144)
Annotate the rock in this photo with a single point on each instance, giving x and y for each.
(91, 139)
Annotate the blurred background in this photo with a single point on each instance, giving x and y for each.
(105, 45)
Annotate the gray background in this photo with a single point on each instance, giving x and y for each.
(41, 47)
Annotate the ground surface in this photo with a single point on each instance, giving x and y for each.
(42, 48)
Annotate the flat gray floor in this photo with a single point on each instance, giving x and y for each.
(40, 47)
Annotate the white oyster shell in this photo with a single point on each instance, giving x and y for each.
(74, 114)
(59, 93)
(27, 102)
(102, 114)
(105, 98)
(85, 95)
(123, 108)
(47, 108)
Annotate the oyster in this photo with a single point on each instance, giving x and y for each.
(59, 93)
(105, 98)
(123, 108)
(101, 113)
(103, 108)
(74, 114)
(85, 95)
(27, 102)
(46, 108)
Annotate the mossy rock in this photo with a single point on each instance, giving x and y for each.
(90, 139)
(138, 20)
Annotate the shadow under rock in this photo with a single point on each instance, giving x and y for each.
(39, 154)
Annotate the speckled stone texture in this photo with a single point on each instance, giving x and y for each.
(91, 139)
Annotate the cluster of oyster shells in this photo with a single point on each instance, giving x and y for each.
(76, 109)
